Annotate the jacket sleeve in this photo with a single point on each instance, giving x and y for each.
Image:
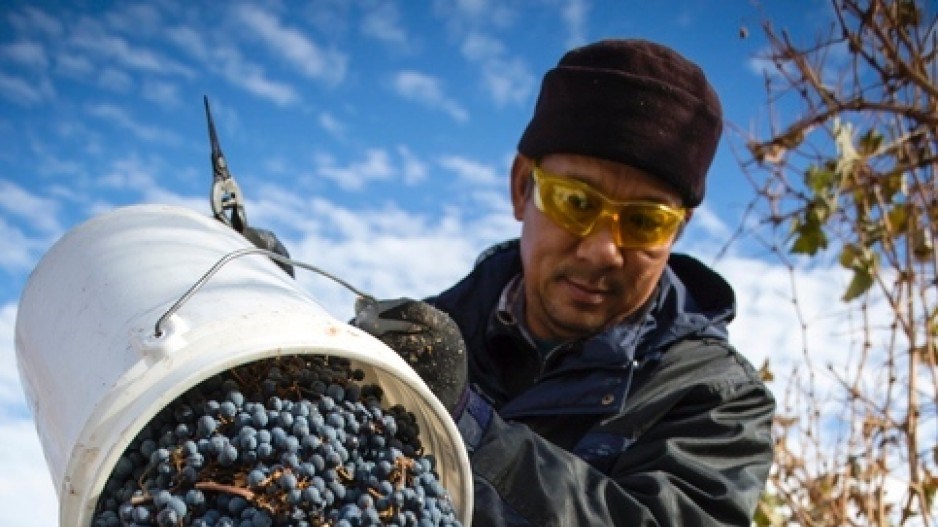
(699, 452)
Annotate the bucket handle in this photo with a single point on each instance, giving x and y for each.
(158, 329)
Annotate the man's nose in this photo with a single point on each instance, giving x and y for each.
(599, 246)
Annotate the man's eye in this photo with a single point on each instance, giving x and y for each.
(576, 200)
(644, 221)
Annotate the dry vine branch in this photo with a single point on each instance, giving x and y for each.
(867, 194)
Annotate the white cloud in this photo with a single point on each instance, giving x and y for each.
(226, 60)
(387, 252)
(428, 90)
(382, 22)
(331, 124)
(289, 43)
(575, 14)
(50, 162)
(760, 65)
(277, 165)
(274, 206)
(470, 171)
(487, 212)
(90, 38)
(24, 93)
(11, 392)
(114, 79)
(31, 20)
(188, 40)
(474, 8)
(480, 47)
(375, 166)
(467, 14)
(30, 54)
(39, 212)
(415, 171)
(135, 19)
(17, 250)
(122, 119)
(140, 177)
(25, 479)
(705, 218)
(73, 65)
(506, 79)
(163, 93)
(253, 78)
(157, 195)
(128, 173)
(378, 164)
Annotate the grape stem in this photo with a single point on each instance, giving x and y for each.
(230, 489)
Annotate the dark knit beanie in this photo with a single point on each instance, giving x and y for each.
(634, 102)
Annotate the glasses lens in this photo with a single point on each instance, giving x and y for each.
(647, 224)
(573, 206)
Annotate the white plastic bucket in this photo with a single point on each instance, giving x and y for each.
(95, 372)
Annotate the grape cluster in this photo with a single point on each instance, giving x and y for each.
(298, 441)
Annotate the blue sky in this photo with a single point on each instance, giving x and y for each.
(373, 136)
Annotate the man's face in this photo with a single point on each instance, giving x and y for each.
(577, 286)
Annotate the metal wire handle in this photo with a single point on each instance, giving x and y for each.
(158, 329)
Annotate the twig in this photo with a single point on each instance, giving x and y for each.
(221, 487)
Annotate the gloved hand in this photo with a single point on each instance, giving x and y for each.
(427, 339)
(265, 239)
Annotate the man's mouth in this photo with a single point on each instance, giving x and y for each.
(584, 291)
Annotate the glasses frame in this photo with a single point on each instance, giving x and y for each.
(611, 211)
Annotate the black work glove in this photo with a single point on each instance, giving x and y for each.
(265, 239)
(427, 339)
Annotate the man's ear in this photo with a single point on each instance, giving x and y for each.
(521, 184)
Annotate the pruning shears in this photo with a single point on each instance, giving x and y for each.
(227, 202)
(369, 316)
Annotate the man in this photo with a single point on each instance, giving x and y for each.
(603, 390)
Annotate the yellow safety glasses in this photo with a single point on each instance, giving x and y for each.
(578, 208)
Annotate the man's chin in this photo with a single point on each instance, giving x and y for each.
(577, 323)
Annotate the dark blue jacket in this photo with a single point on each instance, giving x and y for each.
(656, 423)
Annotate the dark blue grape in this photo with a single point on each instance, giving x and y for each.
(228, 455)
(321, 454)
(265, 451)
(177, 504)
(259, 418)
(237, 504)
(167, 518)
(236, 397)
(195, 498)
(287, 481)
(227, 410)
(141, 514)
(256, 477)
